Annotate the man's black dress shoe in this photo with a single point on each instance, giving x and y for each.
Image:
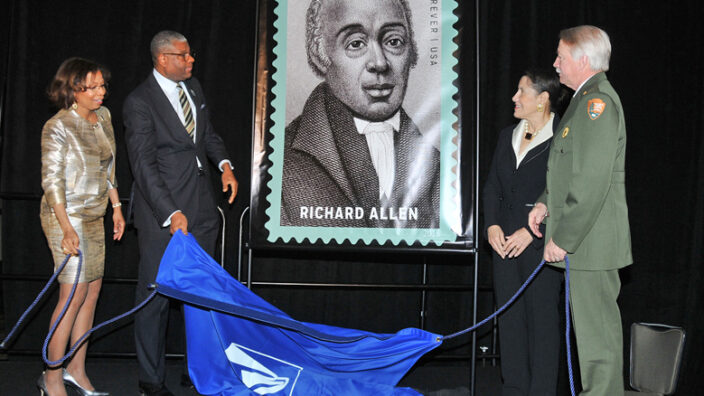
(186, 382)
(146, 389)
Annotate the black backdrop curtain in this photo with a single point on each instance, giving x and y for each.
(655, 68)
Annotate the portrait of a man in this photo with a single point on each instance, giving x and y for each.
(354, 157)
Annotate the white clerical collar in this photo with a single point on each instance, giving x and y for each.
(381, 150)
(395, 122)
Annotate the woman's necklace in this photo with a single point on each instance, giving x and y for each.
(528, 135)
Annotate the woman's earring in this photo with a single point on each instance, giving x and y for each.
(540, 107)
(74, 106)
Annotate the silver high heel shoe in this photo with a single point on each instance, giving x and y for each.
(41, 384)
(70, 381)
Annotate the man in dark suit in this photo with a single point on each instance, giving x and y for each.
(354, 158)
(584, 206)
(169, 141)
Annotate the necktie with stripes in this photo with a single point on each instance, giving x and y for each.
(188, 121)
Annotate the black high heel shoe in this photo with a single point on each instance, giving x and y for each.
(70, 381)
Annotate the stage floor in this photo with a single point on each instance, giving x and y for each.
(18, 376)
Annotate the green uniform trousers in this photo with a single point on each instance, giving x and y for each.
(597, 328)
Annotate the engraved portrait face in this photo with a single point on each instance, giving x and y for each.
(369, 46)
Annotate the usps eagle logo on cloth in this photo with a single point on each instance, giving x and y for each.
(595, 107)
(258, 374)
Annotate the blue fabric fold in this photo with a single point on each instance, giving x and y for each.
(239, 344)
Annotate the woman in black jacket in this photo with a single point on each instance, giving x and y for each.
(529, 335)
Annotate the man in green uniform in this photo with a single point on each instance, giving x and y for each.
(584, 206)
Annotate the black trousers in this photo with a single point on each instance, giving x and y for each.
(529, 331)
(151, 322)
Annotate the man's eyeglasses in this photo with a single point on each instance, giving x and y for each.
(182, 56)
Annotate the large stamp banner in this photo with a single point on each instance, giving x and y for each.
(360, 140)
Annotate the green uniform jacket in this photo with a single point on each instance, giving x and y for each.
(585, 189)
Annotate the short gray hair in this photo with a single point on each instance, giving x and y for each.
(590, 41)
(164, 39)
(315, 47)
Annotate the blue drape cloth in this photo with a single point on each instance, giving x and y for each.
(238, 344)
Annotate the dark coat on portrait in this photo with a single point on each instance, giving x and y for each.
(327, 164)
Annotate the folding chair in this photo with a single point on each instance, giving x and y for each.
(656, 354)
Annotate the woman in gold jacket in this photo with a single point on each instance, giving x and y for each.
(78, 178)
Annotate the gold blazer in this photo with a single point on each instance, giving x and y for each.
(71, 171)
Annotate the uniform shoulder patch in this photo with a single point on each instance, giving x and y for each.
(595, 107)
